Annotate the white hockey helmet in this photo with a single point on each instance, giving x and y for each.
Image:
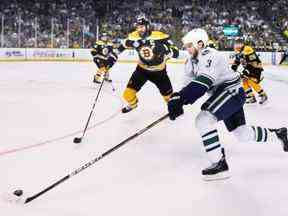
(196, 35)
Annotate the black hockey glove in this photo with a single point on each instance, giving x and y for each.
(175, 106)
(99, 62)
(93, 52)
(96, 60)
(111, 60)
(244, 73)
(159, 50)
(234, 67)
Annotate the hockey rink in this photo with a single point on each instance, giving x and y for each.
(43, 106)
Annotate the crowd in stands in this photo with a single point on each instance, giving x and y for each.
(279, 16)
(76, 24)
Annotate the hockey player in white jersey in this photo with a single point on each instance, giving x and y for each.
(207, 71)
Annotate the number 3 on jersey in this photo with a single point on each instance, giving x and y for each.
(209, 61)
(146, 53)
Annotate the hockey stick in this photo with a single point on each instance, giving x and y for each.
(79, 139)
(113, 88)
(90, 163)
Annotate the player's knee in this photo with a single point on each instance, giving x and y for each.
(242, 133)
(130, 95)
(204, 119)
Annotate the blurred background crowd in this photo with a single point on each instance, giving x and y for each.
(77, 24)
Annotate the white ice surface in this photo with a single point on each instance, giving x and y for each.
(157, 173)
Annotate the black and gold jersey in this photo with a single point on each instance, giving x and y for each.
(153, 50)
(248, 58)
(103, 50)
(252, 65)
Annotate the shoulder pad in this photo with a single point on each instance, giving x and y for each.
(205, 51)
(247, 50)
(110, 44)
(157, 35)
(99, 42)
(134, 36)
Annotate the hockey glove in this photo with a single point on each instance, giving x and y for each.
(175, 106)
(234, 67)
(97, 61)
(159, 50)
(111, 60)
(93, 52)
(244, 73)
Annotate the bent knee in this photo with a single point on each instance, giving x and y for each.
(204, 119)
(243, 133)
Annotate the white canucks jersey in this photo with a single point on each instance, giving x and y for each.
(210, 69)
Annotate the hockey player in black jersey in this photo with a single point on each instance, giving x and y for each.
(154, 48)
(249, 65)
(104, 57)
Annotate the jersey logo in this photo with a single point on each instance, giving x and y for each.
(209, 61)
(146, 53)
(105, 51)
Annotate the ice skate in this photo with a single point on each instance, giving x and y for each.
(263, 99)
(250, 100)
(282, 135)
(107, 79)
(217, 171)
(128, 108)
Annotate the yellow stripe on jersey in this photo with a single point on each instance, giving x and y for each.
(155, 35)
(102, 43)
(134, 36)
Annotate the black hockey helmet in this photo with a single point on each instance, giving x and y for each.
(104, 36)
(143, 21)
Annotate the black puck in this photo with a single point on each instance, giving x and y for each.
(18, 193)
(77, 140)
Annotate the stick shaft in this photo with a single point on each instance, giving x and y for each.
(90, 163)
(92, 110)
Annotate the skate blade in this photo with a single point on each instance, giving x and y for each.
(217, 177)
(263, 103)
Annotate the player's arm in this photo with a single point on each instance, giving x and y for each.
(195, 89)
(236, 62)
(96, 54)
(188, 95)
(112, 57)
(128, 44)
(164, 46)
(173, 50)
(133, 41)
(94, 50)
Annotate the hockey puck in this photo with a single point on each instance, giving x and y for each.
(18, 193)
(77, 140)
